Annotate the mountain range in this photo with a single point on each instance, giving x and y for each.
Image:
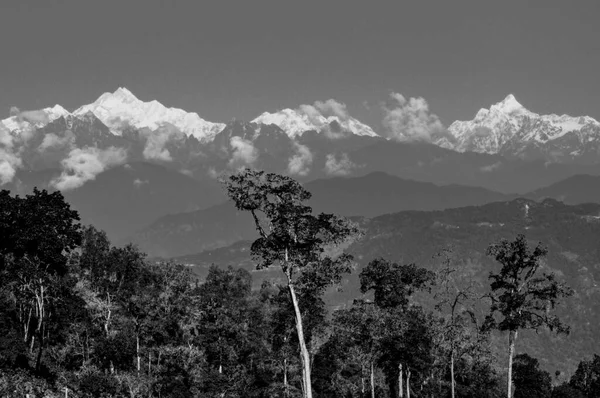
(147, 173)
(312, 141)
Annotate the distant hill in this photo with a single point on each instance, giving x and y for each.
(370, 195)
(191, 232)
(378, 193)
(573, 190)
(126, 198)
(572, 234)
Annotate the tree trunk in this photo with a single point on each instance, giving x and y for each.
(512, 336)
(452, 373)
(372, 380)
(408, 383)
(137, 350)
(362, 379)
(285, 381)
(400, 383)
(303, 349)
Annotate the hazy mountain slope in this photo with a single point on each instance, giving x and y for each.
(371, 195)
(126, 198)
(431, 163)
(573, 190)
(191, 232)
(379, 193)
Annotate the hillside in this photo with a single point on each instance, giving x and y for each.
(371, 195)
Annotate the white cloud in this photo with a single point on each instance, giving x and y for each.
(244, 152)
(213, 173)
(410, 120)
(9, 163)
(491, 167)
(138, 183)
(332, 108)
(338, 167)
(10, 159)
(301, 161)
(157, 140)
(319, 112)
(84, 164)
(52, 140)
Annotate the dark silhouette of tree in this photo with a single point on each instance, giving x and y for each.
(293, 237)
(37, 233)
(520, 297)
(530, 381)
(587, 377)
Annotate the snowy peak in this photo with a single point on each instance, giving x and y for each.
(510, 129)
(508, 105)
(123, 109)
(20, 121)
(296, 122)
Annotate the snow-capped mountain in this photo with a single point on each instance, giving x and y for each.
(509, 129)
(33, 119)
(296, 122)
(122, 109)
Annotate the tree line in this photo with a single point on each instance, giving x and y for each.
(80, 317)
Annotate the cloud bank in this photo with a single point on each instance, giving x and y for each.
(410, 119)
(156, 141)
(319, 111)
(300, 163)
(338, 166)
(244, 153)
(84, 164)
(52, 140)
(10, 159)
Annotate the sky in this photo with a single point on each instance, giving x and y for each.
(237, 59)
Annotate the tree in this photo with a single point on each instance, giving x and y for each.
(520, 297)
(289, 234)
(459, 334)
(587, 377)
(37, 233)
(393, 285)
(530, 380)
(363, 326)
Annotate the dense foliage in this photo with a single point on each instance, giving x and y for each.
(80, 317)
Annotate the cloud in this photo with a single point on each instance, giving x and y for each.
(52, 140)
(213, 173)
(491, 167)
(10, 159)
(319, 112)
(9, 163)
(299, 164)
(244, 152)
(84, 164)
(332, 108)
(339, 167)
(410, 119)
(138, 183)
(156, 141)
(33, 117)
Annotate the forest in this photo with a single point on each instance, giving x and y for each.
(80, 317)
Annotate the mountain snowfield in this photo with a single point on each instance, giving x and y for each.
(122, 109)
(295, 123)
(506, 128)
(510, 129)
(33, 119)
